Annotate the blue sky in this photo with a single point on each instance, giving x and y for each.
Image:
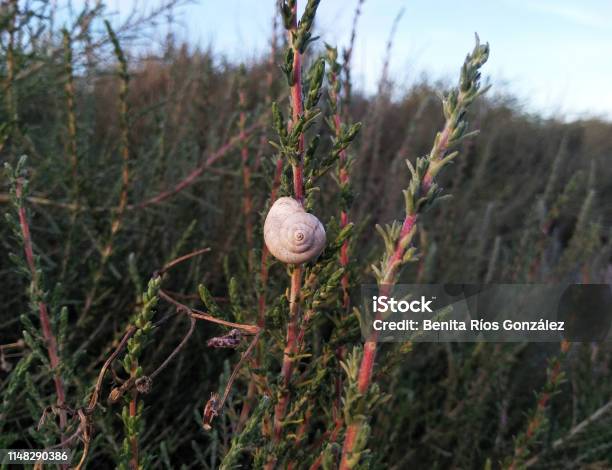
(554, 55)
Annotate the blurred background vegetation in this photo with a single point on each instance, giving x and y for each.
(531, 203)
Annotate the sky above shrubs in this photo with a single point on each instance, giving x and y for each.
(553, 55)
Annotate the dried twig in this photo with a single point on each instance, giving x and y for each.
(192, 312)
(213, 406)
(180, 259)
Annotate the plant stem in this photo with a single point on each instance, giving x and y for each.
(71, 125)
(247, 203)
(93, 401)
(297, 108)
(43, 312)
(194, 313)
(11, 102)
(370, 347)
(124, 150)
(71, 144)
(261, 299)
(420, 192)
(290, 350)
(261, 304)
(193, 176)
(343, 177)
(537, 420)
(134, 438)
(347, 55)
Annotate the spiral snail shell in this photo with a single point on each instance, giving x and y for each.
(292, 235)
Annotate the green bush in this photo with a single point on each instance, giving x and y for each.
(145, 324)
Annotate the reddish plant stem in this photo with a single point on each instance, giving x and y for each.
(192, 177)
(369, 349)
(390, 277)
(297, 108)
(43, 313)
(535, 422)
(337, 415)
(169, 265)
(290, 350)
(300, 434)
(333, 436)
(261, 299)
(247, 204)
(344, 180)
(134, 439)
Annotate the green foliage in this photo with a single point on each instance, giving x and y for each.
(530, 204)
(249, 435)
(131, 414)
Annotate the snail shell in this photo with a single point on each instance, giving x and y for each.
(291, 234)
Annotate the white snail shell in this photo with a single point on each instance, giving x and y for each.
(292, 235)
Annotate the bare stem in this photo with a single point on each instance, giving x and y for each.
(192, 177)
(93, 401)
(176, 350)
(180, 259)
(347, 56)
(213, 406)
(192, 312)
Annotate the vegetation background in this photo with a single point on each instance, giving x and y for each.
(135, 159)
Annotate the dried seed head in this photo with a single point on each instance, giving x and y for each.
(144, 384)
(230, 340)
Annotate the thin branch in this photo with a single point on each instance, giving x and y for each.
(180, 259)
(244, 356)
(143, 383)
(195, 174)
(94, 397)
(213, 405)
(192, 312)
(181, 345)
(45, 322)
(580, 427)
